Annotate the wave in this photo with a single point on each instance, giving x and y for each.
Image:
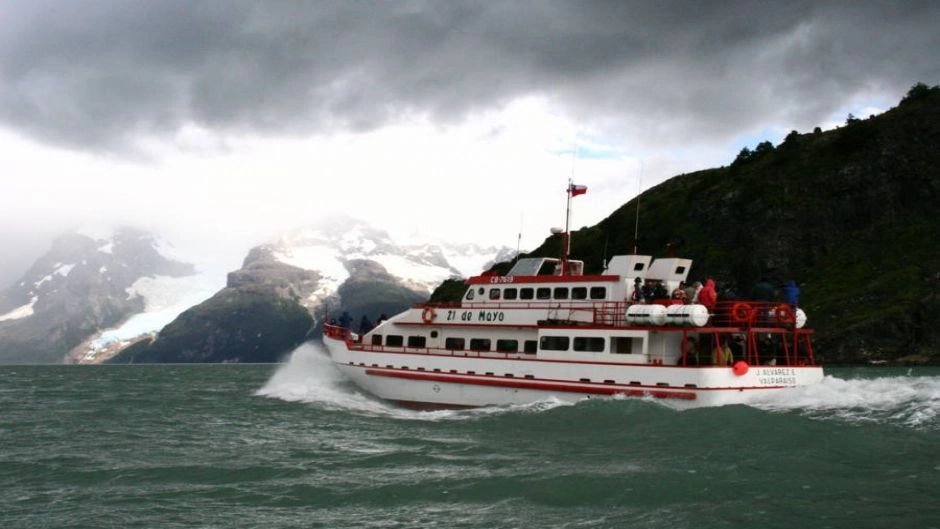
(911, 401)
(309, 376)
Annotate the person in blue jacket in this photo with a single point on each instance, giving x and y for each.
(792, 293)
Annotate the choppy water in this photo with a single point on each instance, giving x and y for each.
(294, 445)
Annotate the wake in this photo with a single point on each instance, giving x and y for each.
(911, 401)
(309, 376)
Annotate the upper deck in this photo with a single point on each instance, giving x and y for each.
(545, 279)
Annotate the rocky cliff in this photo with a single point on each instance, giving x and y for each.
(850, 214)
(285, 289)
(81, 286)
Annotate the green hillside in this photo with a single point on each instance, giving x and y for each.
(850, 214)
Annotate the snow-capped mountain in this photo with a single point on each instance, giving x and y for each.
(331, 248)
(285, 288)
(86, 285)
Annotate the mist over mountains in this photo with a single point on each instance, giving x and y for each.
(92, 296)
(80, 286)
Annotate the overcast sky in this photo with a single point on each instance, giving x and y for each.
(221, 123)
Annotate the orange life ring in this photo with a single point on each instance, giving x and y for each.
(784, 314)
(428, 315)
(742, 312)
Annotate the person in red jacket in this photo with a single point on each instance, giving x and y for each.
(708, 296)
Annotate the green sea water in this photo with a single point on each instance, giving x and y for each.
(294, 445)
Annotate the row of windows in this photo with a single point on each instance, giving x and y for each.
(459, 344)
(541, 293)
(590, 344)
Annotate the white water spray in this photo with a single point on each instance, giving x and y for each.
(912, 401)
(309, 376)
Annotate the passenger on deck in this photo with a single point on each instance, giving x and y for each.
(691, 292)
(659, 291)
(345, 320)
(737, 347)
(721, 355)
(637, 295)
(708, 296)
(364, 325)
(679, 293)
(763, 291)
(649, 290)
(691, 353)
(767, 350)
(792, 293)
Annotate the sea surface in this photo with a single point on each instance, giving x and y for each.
(294, 445)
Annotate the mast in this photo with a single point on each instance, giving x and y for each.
(566, 236)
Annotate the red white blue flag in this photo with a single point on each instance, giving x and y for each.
(576, 190)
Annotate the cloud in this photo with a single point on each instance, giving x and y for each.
(104, 76)
(220, 123)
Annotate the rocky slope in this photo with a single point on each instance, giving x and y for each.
(80, 287)
(850, 214)
(285, 290)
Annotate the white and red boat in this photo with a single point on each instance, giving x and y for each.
(547, 330)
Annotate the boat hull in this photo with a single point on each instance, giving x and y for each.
(420, 379)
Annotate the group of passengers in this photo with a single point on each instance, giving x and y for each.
(652, 290)
(365, 324)
(728, 350)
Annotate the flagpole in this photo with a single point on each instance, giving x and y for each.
(567, 241)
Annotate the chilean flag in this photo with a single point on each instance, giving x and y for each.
(576, 190)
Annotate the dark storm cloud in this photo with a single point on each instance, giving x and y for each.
(100, 75)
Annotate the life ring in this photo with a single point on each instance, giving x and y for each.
(428, 315)
(742, 312)
(784, 314)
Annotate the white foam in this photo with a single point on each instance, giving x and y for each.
(309, 376)
(908, 400)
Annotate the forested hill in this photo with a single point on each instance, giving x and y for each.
(851, 214)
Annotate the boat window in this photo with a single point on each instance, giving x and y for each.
(510, 293)
(469, 294)
(554, 343)
(433, 334)
(494, 293)
(638, 267)
(598, 292)
(680, 270)
(531, 346)
(479, 344)
(561, 293)
(543, 293)
(507, 346)
(579, 293)
(526, 293)
(480, 291)
(455, 344)
(622, 345)
(590, 344)
(376, 339)
(394, 340)
(417, 341)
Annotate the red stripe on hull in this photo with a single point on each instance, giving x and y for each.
(523, 384)
(512, 280)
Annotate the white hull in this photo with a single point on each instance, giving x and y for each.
(444, 379)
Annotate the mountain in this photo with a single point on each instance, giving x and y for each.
(285, 289)
(850, 214)
(80, 287)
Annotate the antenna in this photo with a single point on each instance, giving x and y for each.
(636, 227)
(519, 239)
